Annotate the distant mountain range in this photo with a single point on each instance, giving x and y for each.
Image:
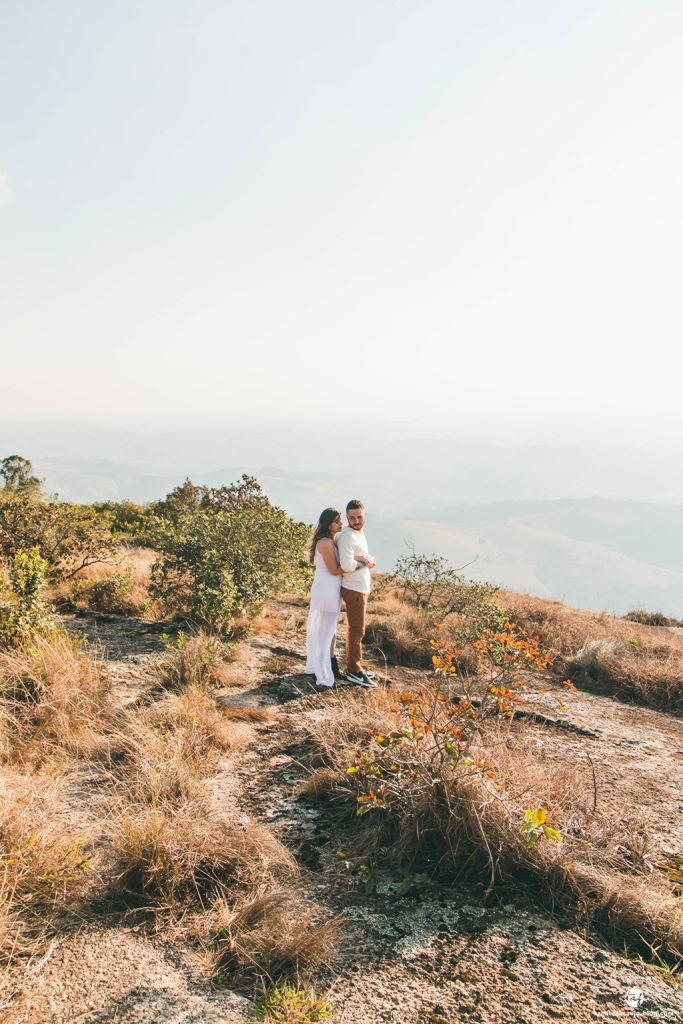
(599, 528)
(591, 553)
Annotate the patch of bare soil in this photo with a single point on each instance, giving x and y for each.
(436, 955)
(98, 976)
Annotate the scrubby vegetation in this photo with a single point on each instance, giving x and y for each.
(441, 777)
(438, 782)
(421, 593)
(605, 654)
(54, 697)
(597, 652)
(69, 537)
(24, 611)
(162, 843)
(286, 1004)
(221, 551)
(45, 869)
(658, 618)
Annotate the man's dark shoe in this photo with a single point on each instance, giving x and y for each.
(324, 687)
(361, 679)
(336, 671)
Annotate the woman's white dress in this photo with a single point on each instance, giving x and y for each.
(321, 627)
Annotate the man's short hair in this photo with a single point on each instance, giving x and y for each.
(355, 503)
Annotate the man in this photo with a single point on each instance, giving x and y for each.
(356, 563)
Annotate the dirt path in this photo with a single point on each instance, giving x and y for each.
(437, 956)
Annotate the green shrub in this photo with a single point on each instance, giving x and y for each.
(25, 612)
(126, 519)
(657, 618)
(428, 582)
(285, 1003)
(222, 550)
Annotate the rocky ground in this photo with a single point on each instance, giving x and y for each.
(437, 955)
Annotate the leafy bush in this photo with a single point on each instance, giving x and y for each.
(444, 718)
(26, 612)
(429, 583)
(222, 550)
(69, 537)
(127, 520)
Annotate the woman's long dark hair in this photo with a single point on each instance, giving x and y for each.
(327, 517)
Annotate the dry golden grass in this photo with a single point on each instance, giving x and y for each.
(237, 668)
(595, 650)
(120, 587)
(44, 868)
(194, 717)
(257, 716)
(167, 853)
(399, 630)
(165, 750)
(601, 652)
(271, 933)
(160, 768)
(171, 846)
(268, 622)
(457, 822)
(165, 842)
(53, 697)
(320, 785)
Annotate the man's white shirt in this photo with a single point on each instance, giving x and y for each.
(351, 543)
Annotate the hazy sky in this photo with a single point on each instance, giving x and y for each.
(386, 208)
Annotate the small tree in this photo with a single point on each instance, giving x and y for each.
(70, 537)
(222, 550)
(436, 588)
(17, 473)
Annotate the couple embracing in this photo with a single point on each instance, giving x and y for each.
(342, 571)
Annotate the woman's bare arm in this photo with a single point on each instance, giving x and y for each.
(327, 550)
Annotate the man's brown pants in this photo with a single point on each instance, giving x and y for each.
(355, 615)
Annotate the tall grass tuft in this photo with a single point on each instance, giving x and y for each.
(45, 870)
(53, 696)
(271, 933)
(199, 660)
(167, 853)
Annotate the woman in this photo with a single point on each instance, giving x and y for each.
(323, 615)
